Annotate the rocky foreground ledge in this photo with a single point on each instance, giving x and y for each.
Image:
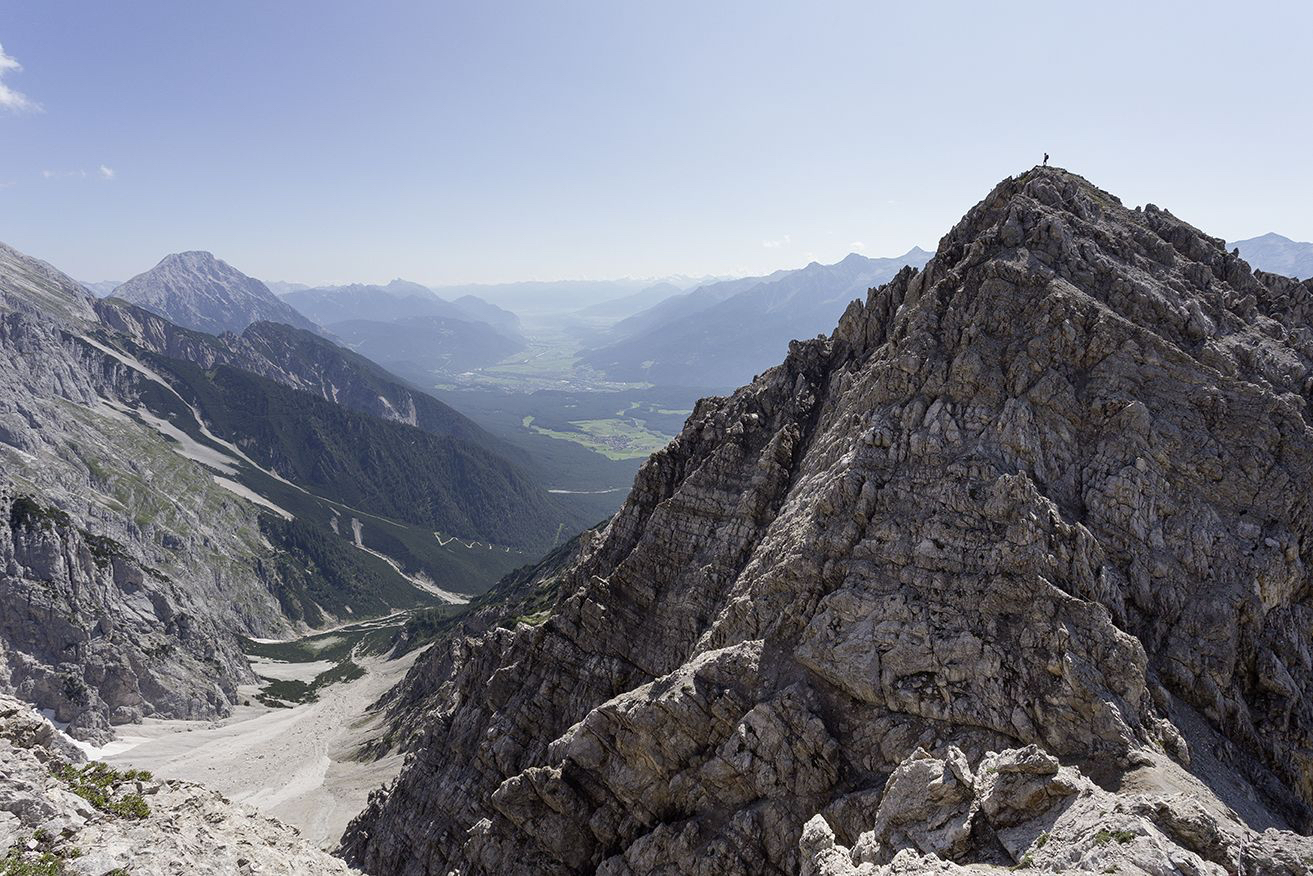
(61, 815)
(1053, 819)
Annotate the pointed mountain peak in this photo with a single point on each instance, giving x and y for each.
(192, 258)
(399, 286)
(196, 290)
(1050, 234)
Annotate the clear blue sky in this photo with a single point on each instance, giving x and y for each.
(448, 142)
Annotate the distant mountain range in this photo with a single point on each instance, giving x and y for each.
(419, 347)
(1277, 255)
(544, 297)
(102, 288)
(401, 325)
(409, 329)
(281, 288)
(198, 291)
(628, 305)
(399, 299)
(721, 334)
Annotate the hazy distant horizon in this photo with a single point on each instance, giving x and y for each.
(457, 144)
(685, 281)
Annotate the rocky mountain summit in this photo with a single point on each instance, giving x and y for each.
(1011, 570)
(60, 815)
(198, 291)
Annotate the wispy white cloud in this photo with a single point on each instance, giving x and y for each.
(14, 101)
(103, 171)
(857, 246)
(776, 244)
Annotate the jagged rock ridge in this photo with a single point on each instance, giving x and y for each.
(1016, 560)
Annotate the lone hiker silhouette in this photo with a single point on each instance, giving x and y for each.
(1046, 159)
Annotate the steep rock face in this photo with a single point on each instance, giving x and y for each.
(1050, 491)
(31, 286)
(198, 291)
(97, 639)
(135, 822)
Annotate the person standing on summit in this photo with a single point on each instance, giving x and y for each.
(1046, 159)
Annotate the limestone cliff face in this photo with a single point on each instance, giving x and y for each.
(91, 635)
(1046, 498)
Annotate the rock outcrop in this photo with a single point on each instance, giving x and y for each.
(60, 815)
(1027, 535)
(98, 639)
(1022, 805)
